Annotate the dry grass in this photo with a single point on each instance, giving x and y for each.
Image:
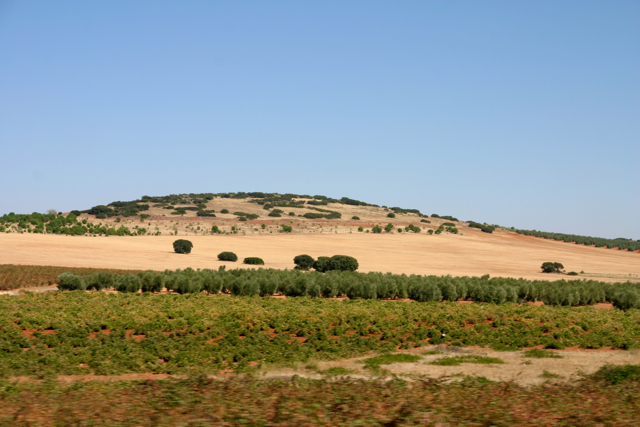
(506, 254)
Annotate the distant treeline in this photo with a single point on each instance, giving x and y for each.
(599, 242)
(364, 285)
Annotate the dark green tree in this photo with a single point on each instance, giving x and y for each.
(303, 262)
(552, 267)
(227, 256)
(182, 246)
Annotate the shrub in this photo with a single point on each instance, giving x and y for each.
(388, 228)
(399, 230)
(355, 217)
(391, 215)
(274, 214)
(626, 299)
(215, 229)
(572, 273)
(448, 224)
(376, 229)
(287, 228)
(99, 281)
(263, 226)
(425, 221)
(360, 229)
(482, 227)
(151, 282)
(430, 231)
(253, 261)
(70, 282)
(617, 374)
(182, 246)
(292, 214)
(413, 228)
(313, 215)
(128, 283)
(227, 256)
(551, 267)
(303, 262)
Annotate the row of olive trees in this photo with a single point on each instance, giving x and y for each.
(352, 284)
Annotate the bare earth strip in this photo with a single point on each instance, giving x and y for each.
(471, 254)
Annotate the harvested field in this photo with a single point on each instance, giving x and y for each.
(473, 254)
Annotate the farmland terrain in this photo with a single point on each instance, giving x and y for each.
(140, 235)
(227, 346)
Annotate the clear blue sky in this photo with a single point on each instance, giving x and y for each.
(520, 113)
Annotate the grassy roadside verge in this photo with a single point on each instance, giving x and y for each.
(67, 333)
(244, 401)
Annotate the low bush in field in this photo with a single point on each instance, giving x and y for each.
(388, 228)
(360, 229)
(227, 256)
(376, 229)
(215, 229)
(391, 215)
(70, 282)
(275, 214)
(355, 217)
(426, 221)
(287, 228)
(618, 374)
(253, 261)
(128, 283)
(182, 246)
(224, 211)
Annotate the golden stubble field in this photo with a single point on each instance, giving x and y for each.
(504, 254)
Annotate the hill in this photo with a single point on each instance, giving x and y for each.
(261, 213)
(279, 227)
